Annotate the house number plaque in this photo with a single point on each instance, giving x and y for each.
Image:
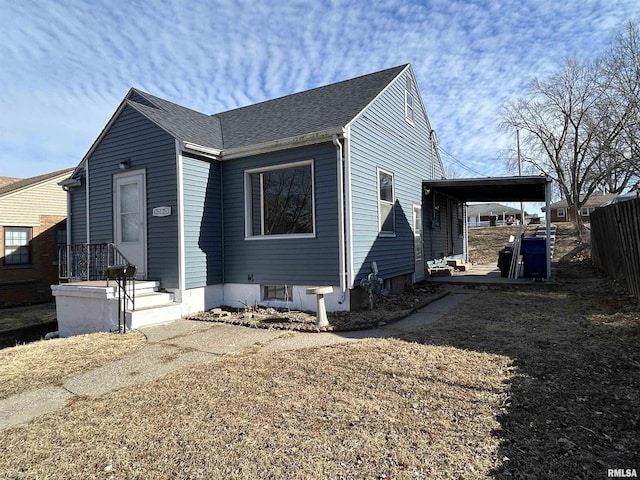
(161, 211)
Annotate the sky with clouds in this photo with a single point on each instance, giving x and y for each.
(66, 65)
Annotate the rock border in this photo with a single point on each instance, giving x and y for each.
(220, 315)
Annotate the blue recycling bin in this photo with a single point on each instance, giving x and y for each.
(534, 257)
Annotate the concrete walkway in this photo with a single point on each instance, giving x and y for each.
(185, 342)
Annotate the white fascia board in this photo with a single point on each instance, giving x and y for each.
(283, 143)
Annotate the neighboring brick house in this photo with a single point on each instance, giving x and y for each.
(561, 213)
(33, 214)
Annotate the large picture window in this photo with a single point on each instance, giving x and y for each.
(280, 200)
(17, 246)
(386, 200)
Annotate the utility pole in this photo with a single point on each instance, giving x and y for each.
(519, 173)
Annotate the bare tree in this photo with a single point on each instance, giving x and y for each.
(580, 125)
(622, 73)
(558, 121)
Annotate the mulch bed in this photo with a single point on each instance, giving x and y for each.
(387, 309)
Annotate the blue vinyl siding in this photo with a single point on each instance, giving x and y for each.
(78, 207)
(202, 222)
(134, 137)
(382, 138)
(301, 261)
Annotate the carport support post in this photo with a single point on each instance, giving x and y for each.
(547, 199)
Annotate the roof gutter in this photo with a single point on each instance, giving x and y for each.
(200, 150)
(69, 183)
(281, 144)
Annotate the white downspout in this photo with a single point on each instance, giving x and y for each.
(341, 223)
(349, 208)
(68, 226)
(180, 207)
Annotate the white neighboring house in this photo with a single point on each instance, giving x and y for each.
(486, 214)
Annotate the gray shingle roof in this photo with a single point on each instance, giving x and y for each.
(485, 209)
(321, 108)
(595, 200)
(310, 111)
(181, 122)
(27, 182)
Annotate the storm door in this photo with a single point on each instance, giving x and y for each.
(130, 219)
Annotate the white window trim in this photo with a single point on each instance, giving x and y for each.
(247, 202)
(29, 231)
(393, 203)
(561, 212)
(288, 295)
(417, 233)
(409, 120)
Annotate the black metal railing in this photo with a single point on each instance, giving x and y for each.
(100, 261)
(88, 261)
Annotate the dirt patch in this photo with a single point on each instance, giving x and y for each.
(20, 317)
(387, 309)
(486, 242)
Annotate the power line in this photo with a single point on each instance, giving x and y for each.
(460, 163)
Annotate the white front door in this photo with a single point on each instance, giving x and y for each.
(130, 219)
(417, 241)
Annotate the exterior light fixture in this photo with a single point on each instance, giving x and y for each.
(125, 164)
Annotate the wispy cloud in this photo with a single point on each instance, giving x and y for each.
(67, 65)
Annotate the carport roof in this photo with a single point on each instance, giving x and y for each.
(492, 189)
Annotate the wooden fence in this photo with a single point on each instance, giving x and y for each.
(615, 242)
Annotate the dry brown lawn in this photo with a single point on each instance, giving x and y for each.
(33, 365)
(486, 242)
(520, 382)
(574, 401)
(373, 409)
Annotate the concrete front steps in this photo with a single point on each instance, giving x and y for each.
(152, 306)
(96, 306)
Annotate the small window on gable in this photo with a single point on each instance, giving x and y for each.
(561, 212)
(409, 103)
(17, 245)
(279, 200)
(386, 200)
